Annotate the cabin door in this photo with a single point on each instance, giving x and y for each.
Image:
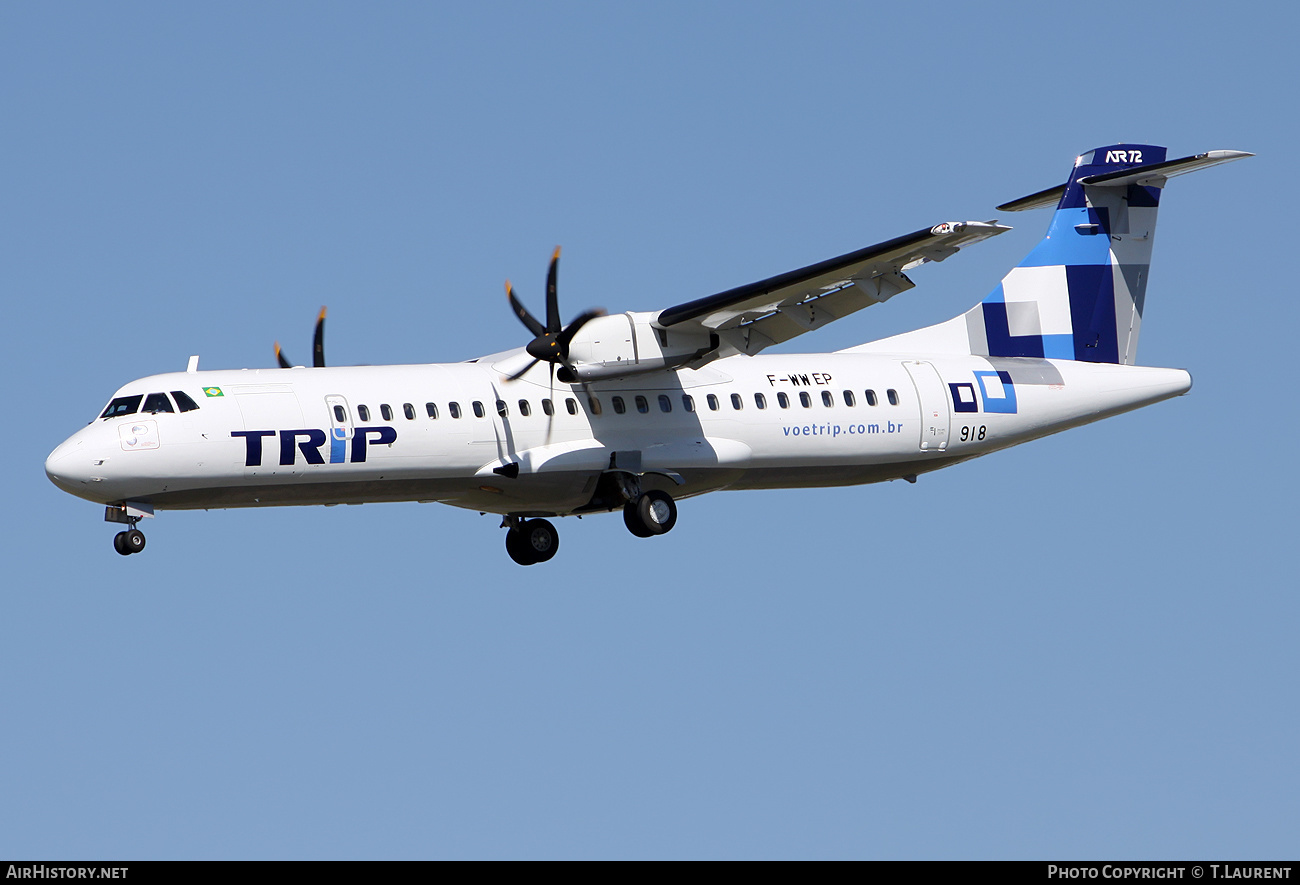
(933, 398)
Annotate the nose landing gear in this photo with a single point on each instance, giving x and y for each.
(128, 542)
(130, 513)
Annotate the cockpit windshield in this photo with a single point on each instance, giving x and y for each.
(153, 404)
(157, 402)
(123, 405)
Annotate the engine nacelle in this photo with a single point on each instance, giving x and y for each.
(629, 344)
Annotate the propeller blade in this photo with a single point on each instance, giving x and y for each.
(550, 419)
(522, 372)
(570, 330)
(280, 358)
(552, 294)
(522, 312)
(318, 346)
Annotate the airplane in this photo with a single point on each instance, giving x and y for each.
(635, 411)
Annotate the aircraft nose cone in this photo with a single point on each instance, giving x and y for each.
(64, 469)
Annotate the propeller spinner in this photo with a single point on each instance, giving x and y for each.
(551, 341)
(318, 346)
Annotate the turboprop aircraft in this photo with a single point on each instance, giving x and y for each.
(634, 411)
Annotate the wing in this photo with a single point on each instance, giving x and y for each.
(750, 318)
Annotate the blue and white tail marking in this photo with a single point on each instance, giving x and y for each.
(1079, 295)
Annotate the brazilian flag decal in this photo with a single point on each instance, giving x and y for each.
(213, 391)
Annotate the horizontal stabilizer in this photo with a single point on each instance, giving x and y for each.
(1154, 174)
(1040, 200)
(1149, 175)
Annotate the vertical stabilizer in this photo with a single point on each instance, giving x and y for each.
(1079, 295)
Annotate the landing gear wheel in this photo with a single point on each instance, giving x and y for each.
(654, 513)
(541, 538)
(134, 541)
(515, 547)
(532, 542)
(128, 542)
(632, 519)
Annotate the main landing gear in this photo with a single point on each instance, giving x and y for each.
(531, 541)
(646, 514)
(650, 513)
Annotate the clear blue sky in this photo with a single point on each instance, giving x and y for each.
(1083, 647)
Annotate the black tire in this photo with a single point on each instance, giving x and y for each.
(119, 544)
(656, 512)
(632, 519)
(541, 539)
(519, 551)
(134, 541)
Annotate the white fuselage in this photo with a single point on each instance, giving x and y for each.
(300, 436)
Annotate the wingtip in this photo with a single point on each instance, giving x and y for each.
(322, 314)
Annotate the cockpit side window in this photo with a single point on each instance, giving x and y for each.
(123, 405)
(183, 401)
(157, 402)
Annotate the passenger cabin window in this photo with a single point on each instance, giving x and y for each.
(893, 396)
(571, 405)
(736, 402)
(524, 408)
(871, 398)
(713, 403)
(409, 411)
(502, 408)
(431, 409)
(782, 400)
(387, 411)
(848, 398)
(641, 405)
(665, 404)
(363, 412)
(478, 409)
(805, 400)
(619, 406)
(548, 408)
(157, 402)
(340, 415)
(688, 403)
(828, 398)
(453, 409)
(760, 401)
(593, 404)
(183, 401)
(123, 405)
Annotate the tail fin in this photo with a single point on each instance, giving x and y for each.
(1079, 294)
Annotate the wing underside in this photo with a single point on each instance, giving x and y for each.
(749, 318)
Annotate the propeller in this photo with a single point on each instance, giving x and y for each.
(318, 346)
(551, 341)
